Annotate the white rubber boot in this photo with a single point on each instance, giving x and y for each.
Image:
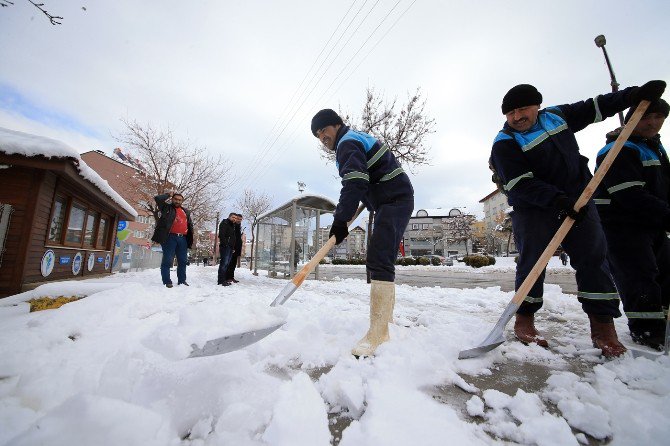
(382, 301)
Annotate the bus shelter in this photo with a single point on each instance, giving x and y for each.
(289, 235)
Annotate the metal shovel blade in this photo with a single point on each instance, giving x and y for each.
(231, 343)
(493, 340)
(495, 337)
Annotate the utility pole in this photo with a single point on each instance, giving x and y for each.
(600, 43)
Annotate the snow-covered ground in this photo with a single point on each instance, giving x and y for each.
(112, 369)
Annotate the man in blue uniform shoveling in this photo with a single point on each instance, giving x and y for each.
(537, 158)
(370, 174)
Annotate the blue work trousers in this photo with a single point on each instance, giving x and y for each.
(585, 244)
(174, 245)
(390, 222)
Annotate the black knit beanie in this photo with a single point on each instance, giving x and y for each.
(658, 106)
(520, 96)
(325, 118)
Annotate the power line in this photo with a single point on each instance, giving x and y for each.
(264, 149)
(272, 158)
(371, 49)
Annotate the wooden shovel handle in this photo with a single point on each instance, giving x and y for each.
(586, 195)
(320, 254)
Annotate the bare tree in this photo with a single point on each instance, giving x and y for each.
(459, 229)
(504, 227)
(169, 165)
(55, 20)
(402, 129)
(252, 205)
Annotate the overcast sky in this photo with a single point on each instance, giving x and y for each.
(229, 75)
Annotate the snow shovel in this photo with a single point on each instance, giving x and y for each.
(496, 337)
(234, 342)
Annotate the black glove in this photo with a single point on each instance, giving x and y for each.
(650, 91)
(339, 230)
(566, 206)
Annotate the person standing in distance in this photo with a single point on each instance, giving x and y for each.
(537, 158)
(237, 250)
(370, 174)
(634, 205)
(226, 247)
(174, 232)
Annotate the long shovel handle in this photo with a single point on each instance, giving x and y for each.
(306, 270)
(586, 195)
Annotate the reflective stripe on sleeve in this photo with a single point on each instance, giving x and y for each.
(392, 174)
(513, 182)
(599, 116)
(625, 185)
(356, 175)
(378, 155)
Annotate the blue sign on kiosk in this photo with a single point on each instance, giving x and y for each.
(121, 225)
(64, 260)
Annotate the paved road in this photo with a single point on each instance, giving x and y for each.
(452, 278)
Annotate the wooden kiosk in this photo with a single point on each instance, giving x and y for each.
(57, 216)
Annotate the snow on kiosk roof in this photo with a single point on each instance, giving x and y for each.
(25, 144)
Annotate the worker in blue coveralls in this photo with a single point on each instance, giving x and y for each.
(370, 174)
(634, 205)
(537, 159)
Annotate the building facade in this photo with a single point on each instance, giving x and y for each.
(134, 248)
(499, 239)
(439, 232)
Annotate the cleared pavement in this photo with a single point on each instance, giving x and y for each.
(452, 277)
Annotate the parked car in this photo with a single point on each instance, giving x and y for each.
(443, 260)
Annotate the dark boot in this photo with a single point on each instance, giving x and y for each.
(649, 332)
(524, 330)
(603, 335)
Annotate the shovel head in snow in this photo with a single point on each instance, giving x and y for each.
(495, 338)
(231, 343)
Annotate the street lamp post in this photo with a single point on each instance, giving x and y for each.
(600, 43)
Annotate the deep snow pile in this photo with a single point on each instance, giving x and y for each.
(110, 370)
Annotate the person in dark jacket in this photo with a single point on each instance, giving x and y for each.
(237, 250)
(634, 205)
(174, 231)
(226, 247)
(370, 174)
(537, 159)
